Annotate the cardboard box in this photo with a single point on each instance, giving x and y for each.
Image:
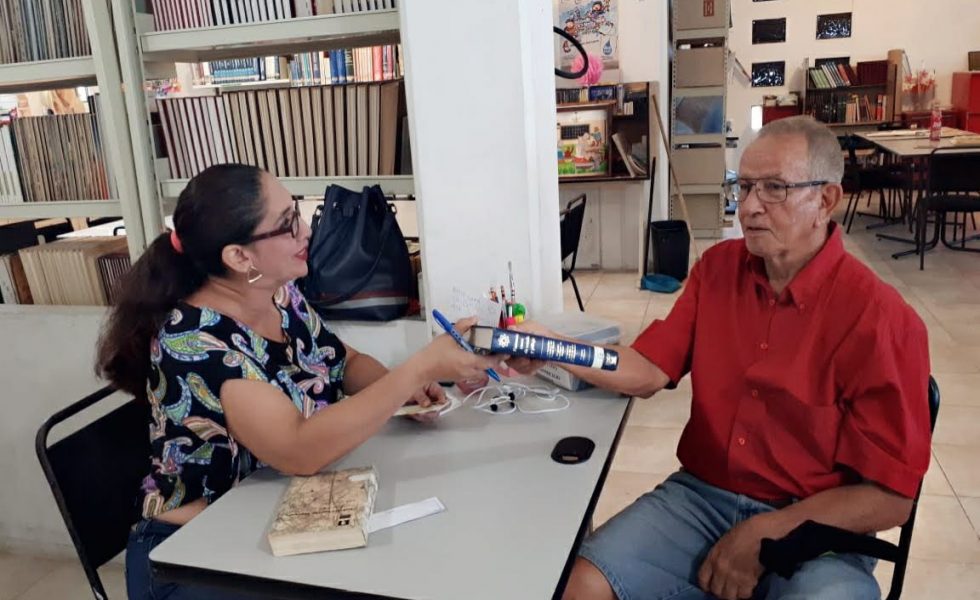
(700, 14)
(699, 166)
(700, 67)
(582, 326)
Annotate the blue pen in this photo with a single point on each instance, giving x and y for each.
(445, 324)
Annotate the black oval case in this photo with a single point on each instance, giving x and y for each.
(573, 450)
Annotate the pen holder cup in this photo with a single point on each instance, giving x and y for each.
(468, 386)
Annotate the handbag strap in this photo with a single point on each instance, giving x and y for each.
(357, 287)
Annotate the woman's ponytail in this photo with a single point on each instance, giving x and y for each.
(222, 205)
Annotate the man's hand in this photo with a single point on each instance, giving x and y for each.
(732, 568)
(425, 397)
(526, 366)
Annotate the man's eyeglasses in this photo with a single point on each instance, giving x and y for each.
(769, 190)
(291, 227)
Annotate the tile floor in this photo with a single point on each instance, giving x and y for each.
(945, 556)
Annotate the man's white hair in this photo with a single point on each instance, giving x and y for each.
(823, 150)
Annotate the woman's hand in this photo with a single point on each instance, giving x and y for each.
(444, 360)
(429, 395)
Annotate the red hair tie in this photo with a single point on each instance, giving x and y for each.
(175, 242)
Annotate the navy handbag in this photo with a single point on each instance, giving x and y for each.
(359, 268)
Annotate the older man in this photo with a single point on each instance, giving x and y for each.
(809, 379)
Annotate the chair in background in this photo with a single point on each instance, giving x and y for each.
(891, 182)
(570, 229)
(95, 476)
(952, 186)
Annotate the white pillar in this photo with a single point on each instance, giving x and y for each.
(481, 107)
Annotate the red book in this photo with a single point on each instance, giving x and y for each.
(377, 62)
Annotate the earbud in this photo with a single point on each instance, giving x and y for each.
(507, 398)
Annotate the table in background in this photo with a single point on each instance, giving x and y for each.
(913, 146)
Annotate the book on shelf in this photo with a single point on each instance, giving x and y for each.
(189, 14)
(67, 271)
(831, 75)
(633, 165)
(113, 266)
(10, 190)
(57, 157)
(630, 98)
(853, 109)
(48, 30)
(515, 343)
(326, 511)
(872, 72)
(354, 6)
(324, 131)
(14, 287)
(338, 66)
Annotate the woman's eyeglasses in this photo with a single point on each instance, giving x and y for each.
(291, 227)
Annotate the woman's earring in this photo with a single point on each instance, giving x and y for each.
(253, 278)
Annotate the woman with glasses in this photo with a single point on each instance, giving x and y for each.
(237, 368)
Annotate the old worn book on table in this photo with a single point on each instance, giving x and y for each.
(327, 511)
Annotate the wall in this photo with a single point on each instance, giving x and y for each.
(611, 234)
(935, 34)
(483, 153)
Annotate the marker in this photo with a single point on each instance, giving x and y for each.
(448, 327)
(510, 271)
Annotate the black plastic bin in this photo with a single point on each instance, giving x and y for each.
(671, 244)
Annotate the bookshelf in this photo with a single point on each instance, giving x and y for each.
(313, 186)
(148, 54)
(288, 36)
(844, 99)
(67, 209)
(46, 74)
(628, 117)
(101, 69)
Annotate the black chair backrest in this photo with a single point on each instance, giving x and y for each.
(848, 143)
(905, 539)
(953, 171)
(95, 474)
(571, 228)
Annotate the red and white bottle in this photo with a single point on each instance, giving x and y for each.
(936, 124)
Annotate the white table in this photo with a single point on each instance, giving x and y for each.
(106, 229)
(911, 143)
(514, 518)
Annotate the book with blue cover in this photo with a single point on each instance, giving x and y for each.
(518, 343)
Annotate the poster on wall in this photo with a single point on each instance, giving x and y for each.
(594, 23)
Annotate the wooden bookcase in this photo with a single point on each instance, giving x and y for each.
(828, 104)
(632, 128)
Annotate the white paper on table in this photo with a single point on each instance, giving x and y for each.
(464, 305)
(404, 513)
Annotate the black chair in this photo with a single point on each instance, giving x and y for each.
(95, 476)
(952, 186)
(787, 554)
(860, 178)
(570, 229)
(905, 539)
